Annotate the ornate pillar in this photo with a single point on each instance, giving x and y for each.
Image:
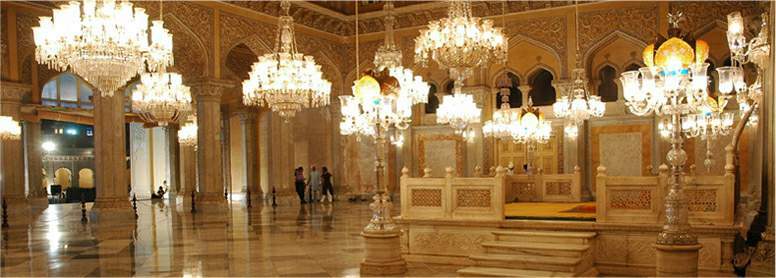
(38, 197)
(208, 94)
(250, 131)
(12, 157)
(112, 208)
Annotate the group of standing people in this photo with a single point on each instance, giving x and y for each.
(316, 183)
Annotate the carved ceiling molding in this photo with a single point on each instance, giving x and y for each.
(372, 22)
(699, 14)
(640, 23)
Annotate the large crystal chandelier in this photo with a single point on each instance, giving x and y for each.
(9, 129)
(187, 135)
(756, 51)
(285, 80)
(576, 104)
(105, 42)
(460, 43)
(161, 97)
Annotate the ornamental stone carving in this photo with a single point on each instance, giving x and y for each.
(448, 242)
(699, 14)
(547, 30)
(630, 199)
(426, 198)
(701, 200)
(477, 198)
(557, 188)
(640, 23)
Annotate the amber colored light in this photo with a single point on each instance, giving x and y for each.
(649, 55)
(701, 51)
(674, 52)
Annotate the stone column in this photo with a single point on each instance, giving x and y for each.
(173, 154)
(211, 192)
(12, 158)
(188, 175)
(38, 197)
(226, 160)
(112, 208)
(250, 131)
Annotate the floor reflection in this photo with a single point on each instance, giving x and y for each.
(310, 240)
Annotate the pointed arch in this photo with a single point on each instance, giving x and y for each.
(515, 40)
(587, 58)
(191, 55)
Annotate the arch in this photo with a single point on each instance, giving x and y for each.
(494, 78)
(607, 64)
(515, 94)
(448, 87)
(607, 85)
(63, 176)
(542, 92)
(515, 40)
(86, 178)
(67, 90)
(606, 41)
(633, 65)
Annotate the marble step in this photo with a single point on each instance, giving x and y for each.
(535, 248)
(545, 236)
(475, 271)
(530, 262)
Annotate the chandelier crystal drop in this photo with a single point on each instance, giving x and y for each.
(286, 81)
(460, 41)
(105, 42)
(9, 129)
(161, 97)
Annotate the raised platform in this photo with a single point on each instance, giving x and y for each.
(616, 249)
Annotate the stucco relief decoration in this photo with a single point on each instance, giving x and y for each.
(426, 198)
(547, 30)
(26, 46)
(198, 27)
(701, 200)
(698, 14)
(636, 22)
(630, 199)
(557, 188)
(473, 198)
(449, 243)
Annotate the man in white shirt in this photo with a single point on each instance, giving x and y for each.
(314, 183)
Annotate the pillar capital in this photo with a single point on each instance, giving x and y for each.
(210, 88)
(247, 115)
(13, 92)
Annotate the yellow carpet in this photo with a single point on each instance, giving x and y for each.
(570, 211)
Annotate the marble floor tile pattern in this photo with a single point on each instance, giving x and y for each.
(288, 241)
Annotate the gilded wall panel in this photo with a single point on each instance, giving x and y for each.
(602, 150)
(637, 22)
(439, 152)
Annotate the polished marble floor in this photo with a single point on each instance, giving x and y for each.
(309, 240)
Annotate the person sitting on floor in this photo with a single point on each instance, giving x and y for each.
(159, 193)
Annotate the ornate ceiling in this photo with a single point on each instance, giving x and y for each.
(349, 7)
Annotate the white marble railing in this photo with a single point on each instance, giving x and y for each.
(544, 187)
(640, 199)
(452, 198)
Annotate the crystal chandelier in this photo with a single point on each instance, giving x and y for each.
(576, 104)
(286, 81)
(460, 43)
(161, 97)
(105, 42)
(187, 135)
(756, 51)
(9, 129)
(524, 126)
(387, 104)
